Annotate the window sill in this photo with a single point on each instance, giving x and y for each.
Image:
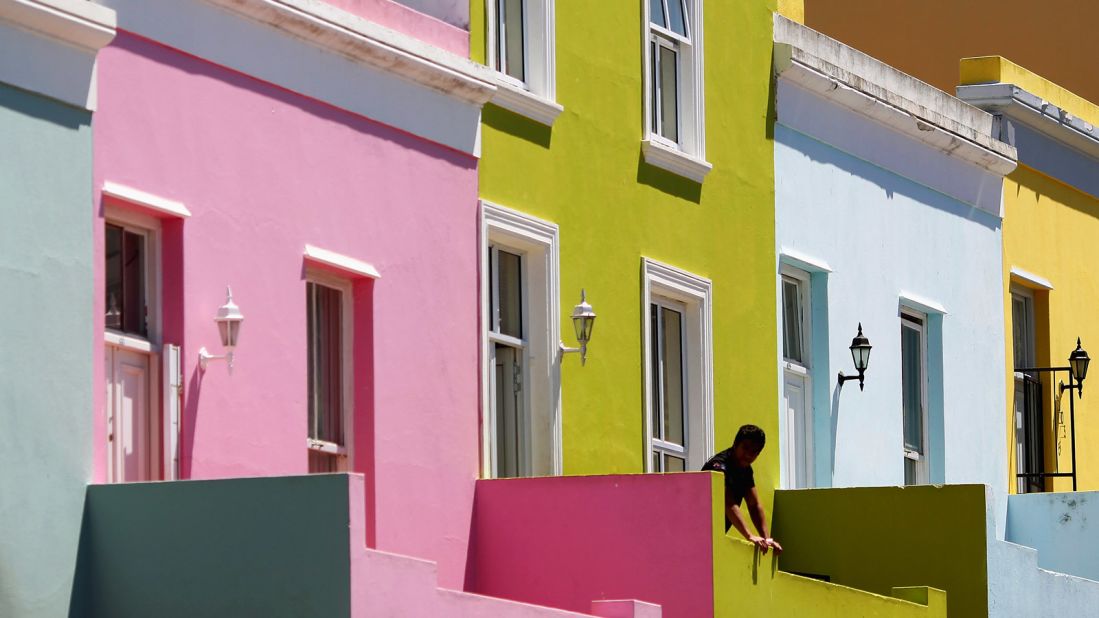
(674, 160)
(526, 103)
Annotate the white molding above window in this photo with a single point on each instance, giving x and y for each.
(674, 160)
(344, 264)
(803, 261)
(686, 158)
(668, 282)
(921, 304)
(535, 97)
(136, 197)
(539, 240)
(1030, 279)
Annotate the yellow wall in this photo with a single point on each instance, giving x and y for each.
(1050, 229)
(586, 174)
(927, 37)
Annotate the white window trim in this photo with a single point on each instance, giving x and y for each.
(501, 225)
(150, 228)
(1030, 280)
(139, 198)
(923, 464)
(688, 158)
(346, 451)
(802, 370)
(345, 264)
(535, 98)
(662, 280)
(1027, 295)
(661, 446)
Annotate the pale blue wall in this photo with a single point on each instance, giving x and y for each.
(45, 347)
(1063, 527)
(884, 237)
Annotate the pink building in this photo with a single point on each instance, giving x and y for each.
(322, 161)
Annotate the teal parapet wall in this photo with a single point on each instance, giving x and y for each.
(267, 547)
(45, 347)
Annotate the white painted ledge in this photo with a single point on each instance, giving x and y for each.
(803, 261)
(919, 303)
(76, 22)
(1030, 279)
(145, 200)
(342, 263)
(364, 41)
(674, 160)
(526, 103)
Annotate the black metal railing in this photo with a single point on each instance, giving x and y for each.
(1036, 480)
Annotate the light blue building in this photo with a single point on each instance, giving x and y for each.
(47, 95)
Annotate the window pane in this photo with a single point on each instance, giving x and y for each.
(656, 385)
(673, 376)
(674, 464)
(654, 104)
(656, 13)
(910, 476)
(323, 462)
(677, 17)
(669, 97)
(791, 321)
(912, 389)
(1020, 326)
(510, 424)
(113, 252)
(509, 278)
(512, 45)
(324, 322)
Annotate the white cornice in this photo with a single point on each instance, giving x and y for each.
(160, 205)
(870, 87)
(76, 22)
(366, 42)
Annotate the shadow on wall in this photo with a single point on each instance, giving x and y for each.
(517, 125)
(667, 182)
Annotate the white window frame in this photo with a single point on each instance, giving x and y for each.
(536, 96)
(695, 293)
(345, 452)
(801, 370)
(538, 241)
(150, 345)
(1019, 421)
(660, 446)
(923, 463)
(687, 157)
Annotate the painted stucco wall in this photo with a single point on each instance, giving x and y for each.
(658, 538)
(1061, 527)
(46, 375)
(1046, 223)
(587, 175)
(874, 538)
(927, 37)
(265, 172)
(893, 243)
(1019, 588)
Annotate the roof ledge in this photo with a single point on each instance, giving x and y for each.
(76, 22)
(859, 82)
(363, 41)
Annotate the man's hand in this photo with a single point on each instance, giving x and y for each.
(774, 545)
(761, 543)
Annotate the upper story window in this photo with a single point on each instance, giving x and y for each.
(328, 328)
(521, 49)
(126, 279)
(914, 396)
(674, 104)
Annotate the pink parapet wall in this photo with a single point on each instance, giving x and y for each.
(409, 21)
(564, 542)
(265, 172)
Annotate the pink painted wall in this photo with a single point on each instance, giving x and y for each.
(409, 21)
(264, 172)
(644, 537)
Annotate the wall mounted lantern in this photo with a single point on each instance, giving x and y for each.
(860, 353)
(228, 320)
(583, 319)
(1078, 368)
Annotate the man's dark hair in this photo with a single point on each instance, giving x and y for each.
(752, 434)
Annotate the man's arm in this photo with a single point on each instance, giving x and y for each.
(759, 518)
(737, 519)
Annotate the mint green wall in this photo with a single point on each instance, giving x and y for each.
(45, 347)
(875, 538)
(269, 547)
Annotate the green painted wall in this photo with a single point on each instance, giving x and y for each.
(586, 174)
(253, 547)
(876, 538)
(45, 347)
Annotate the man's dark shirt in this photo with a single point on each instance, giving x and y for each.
(737, 480)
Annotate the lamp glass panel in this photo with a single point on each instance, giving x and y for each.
(1079, 369)
(861, 356)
